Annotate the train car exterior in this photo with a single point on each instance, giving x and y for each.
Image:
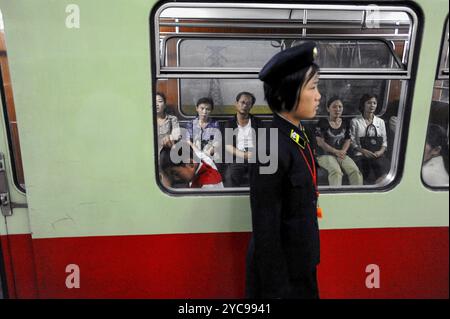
(89, 216)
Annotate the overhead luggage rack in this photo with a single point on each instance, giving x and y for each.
(333, 27)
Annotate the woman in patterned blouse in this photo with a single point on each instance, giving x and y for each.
(168, 126)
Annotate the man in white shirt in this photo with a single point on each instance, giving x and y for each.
(243, 146)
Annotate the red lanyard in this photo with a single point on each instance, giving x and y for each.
(312, 169)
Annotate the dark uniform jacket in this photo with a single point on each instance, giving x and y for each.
(284, 249)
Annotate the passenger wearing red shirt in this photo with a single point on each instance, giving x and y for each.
(199, 173)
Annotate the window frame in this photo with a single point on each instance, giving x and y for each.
(180, 72)
(13, 139)
(407, 79)
(440, 76)
(443, 72)
(184, 72)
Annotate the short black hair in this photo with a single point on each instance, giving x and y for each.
(205, 100)
(366, 97)
(437, 137)
(165, 161)
(333, 99)
(163, 96)
(283, 96)
(248, 94)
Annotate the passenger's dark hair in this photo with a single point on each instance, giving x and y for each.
(333, 99)
(248, 94)
(163, 96)
(205, 100)
(364, 99)
(437, 137)
(165, 162)
(283, 96)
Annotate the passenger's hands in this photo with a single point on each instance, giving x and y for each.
(340, 154)
(244, 155)
(167, 142)
(209, 150)
(367, 153)
(378, 154)
(248, 155)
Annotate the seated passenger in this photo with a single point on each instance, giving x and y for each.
(203, 132)
(435, 158)
(168, 126)
(369, 141)
(187, 167)
(243, 144)
(333, 139)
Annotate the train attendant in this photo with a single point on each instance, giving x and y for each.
(199, 172)
(284, 249)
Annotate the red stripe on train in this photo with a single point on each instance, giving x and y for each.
(413, 263)
(18, 260)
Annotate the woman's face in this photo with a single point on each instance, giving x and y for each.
(309, 99)
(244, 105)
(335, 109)
(370, 106)
(203, 111)
(160, 105)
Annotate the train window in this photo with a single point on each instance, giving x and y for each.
(9, 111)
(435, 157)
(217, 50)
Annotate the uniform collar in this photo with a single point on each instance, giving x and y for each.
(293, 132)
